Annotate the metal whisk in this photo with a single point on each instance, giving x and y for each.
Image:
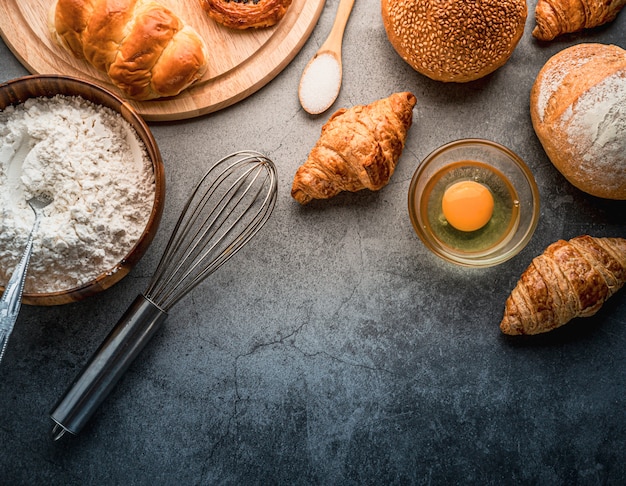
(228, 207)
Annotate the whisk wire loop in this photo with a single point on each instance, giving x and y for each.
(205, 243)
(229, 205)
(184, 228)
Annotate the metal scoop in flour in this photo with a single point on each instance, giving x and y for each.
(11, 300)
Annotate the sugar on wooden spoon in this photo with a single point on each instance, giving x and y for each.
(321, 78)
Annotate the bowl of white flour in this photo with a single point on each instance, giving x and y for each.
(96, 158)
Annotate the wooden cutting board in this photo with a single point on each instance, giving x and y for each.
(240, 62)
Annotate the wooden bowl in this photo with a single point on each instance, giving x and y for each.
(18, 91)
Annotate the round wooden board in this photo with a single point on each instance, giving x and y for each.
(240, 62)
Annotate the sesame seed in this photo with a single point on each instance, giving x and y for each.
(455, 40)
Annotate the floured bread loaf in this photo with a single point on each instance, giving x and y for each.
(578, 111)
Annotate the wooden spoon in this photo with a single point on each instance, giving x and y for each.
(321, 78)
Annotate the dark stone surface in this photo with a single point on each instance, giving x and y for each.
(336, 349)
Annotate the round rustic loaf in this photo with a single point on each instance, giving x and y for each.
(454, 40)
(578, 111)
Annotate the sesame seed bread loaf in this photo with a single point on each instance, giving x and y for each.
(578, 111)
(454, 40)
(145, 49)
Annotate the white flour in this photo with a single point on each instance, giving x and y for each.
(94, 166)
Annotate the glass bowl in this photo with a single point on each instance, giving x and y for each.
(511, 183)
(20, 90)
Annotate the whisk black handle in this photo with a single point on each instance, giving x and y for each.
(129, 336)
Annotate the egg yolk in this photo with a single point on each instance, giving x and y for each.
(467, 205)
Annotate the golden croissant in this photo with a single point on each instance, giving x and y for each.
(570, 279)
(359, 148)
(556, 17)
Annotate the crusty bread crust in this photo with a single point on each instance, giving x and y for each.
(578, 111)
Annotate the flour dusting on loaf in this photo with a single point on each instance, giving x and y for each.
(551, 81)
(578, 110)
(596, 124)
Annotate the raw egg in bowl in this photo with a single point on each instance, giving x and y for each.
(474, 202)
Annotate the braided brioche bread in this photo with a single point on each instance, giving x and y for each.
(143, 47)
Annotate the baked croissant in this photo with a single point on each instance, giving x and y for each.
(556, 17)
(359, 148)
(144, 48)
(570, 279)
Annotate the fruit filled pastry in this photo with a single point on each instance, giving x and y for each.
(146, 50)
(569, 279)
(557, 17)
(245, 14)
(358, 149)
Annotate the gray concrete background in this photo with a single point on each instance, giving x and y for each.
(335, 349)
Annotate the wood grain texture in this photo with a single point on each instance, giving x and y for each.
(240, 62)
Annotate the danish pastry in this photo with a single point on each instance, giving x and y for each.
(245, 14)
